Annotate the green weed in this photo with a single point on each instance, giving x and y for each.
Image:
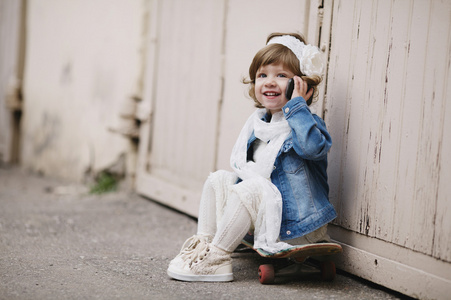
(105, 183)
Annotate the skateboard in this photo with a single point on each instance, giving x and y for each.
(299, 254)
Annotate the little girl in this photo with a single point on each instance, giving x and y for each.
(278, 188)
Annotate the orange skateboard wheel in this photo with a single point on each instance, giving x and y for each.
(266, 274)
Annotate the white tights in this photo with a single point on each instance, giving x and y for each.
(234, 224)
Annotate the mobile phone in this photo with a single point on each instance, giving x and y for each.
(290, 88)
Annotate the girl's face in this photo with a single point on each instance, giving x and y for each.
(270, 85)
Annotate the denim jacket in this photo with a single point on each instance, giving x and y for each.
(300, 172)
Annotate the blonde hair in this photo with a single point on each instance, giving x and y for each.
(274, 54)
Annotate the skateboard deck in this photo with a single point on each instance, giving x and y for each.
(321, 251)
(308, 250)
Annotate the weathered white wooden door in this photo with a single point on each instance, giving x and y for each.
(388, 110)
(181, 101)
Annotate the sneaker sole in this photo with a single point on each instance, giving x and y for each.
(208, 278)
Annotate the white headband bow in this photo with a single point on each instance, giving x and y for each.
(309, 56)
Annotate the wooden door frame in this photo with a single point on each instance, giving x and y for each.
(11, 97)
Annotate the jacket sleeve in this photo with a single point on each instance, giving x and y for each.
(311, 140)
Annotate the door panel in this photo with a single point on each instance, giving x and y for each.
(386, 109)
(182, 97)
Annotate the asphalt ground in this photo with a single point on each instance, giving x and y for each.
(59, 242)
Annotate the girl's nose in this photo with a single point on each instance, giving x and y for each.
(270, 81)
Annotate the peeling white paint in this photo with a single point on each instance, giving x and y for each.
(388, 116)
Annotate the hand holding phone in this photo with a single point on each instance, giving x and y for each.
(290, 89)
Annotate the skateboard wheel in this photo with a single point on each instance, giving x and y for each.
(328, 270)
(266, 274)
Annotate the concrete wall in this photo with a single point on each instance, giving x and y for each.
(83, 65)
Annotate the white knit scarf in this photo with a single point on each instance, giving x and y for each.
(267, 224)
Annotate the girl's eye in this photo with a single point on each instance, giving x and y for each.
(261, 75)
(282, 75)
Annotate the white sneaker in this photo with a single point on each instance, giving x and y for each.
(188, 247)
(205, 263)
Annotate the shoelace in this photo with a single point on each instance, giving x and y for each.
(197, 254)
(191, 244)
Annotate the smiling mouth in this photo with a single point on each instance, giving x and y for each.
(271, 94)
